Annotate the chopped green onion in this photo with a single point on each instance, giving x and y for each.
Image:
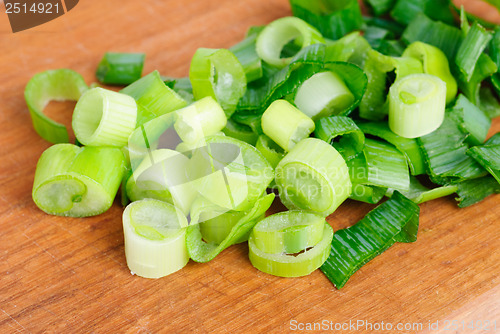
(247, 55)
(471, 120)
(445, 154)
(278, 33)
(270, 150)
(443, 36)
(203, 118)
(104, 118)
(471, 48)
(313, 176)
(240, 131)
(217, 229)
(380, 7)
(416, 105)
(473, 191)
(120, 68)
(408, 146)
(485, 68)
(489, 103)
(342, 133)
(219, 74)
(154, 233)
(351, 47)
(77, 181)
(366, 193)
(420, 194)
(405, 10)
(285, 124)
(144, 188)
(282, 263)
(435, 63)
(201, 251)
(395, 220)
(153, 97)
(380, 165)
(288, 232)
(488, 155)
(62, 84)
(322, 95)
(332, 17)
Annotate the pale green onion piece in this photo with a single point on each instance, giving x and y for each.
(203, 118)
(201, 251)
(367, 194)
(77, 181)
(322, 95)
(57, 85)
(154, 236)
(291, 265)
(416, 105)
(435, 63)
(420, 194)
(153, 97)
(104, 118)
(141, 189)
(219, 74)
(246, 53)
(285, 124)
(313, 176)
(278, 33)
(216, 229)
(166, 170)
(288, 232)
(270, 150)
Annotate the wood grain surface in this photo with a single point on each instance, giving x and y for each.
(64, 275)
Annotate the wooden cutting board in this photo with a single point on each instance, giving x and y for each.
(69, 275)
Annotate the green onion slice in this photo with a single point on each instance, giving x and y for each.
(285, 124)
(435, 63)
(270, 150)
(240, 131)
(246, 53)
(201, 251)
(333, 18)
(275, 240)
(62, 84)
(472, 47)
(217, 229)
(395, 220)
(203, 118)
(104, 118)
(322, 95)
(153, 97)
(219, 74)
(408, 146)
(342, 133)
(471, 120)
(154, 236)
(445, 154)
(278, 33)
(416, 105)
(120, 68)
(366, 193)
(420, 194)
(473, 191)
(488, 155)
(77, 181)
(313, 176)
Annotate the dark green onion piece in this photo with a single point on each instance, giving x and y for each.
(351, 48)
(367, 194)
(120, 68)
(201, 251)
(471, 48)
(342, 133)
(488, 155)
(375, 36)
(471, 120)
(181, 86)
(391, 25)
(405, 10)
(153, 97)
(246, 53)
(489, 102)
(62, 84)
(443, 36)
(219, 74)
(485, 67)
(473, 191)
(380, 7)
(420, 194)
(77, 181)
(333, 18)
(445, 154)
(408, 146)
(395, 220)
(240, 131)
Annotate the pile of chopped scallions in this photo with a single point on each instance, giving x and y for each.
(321, 107)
